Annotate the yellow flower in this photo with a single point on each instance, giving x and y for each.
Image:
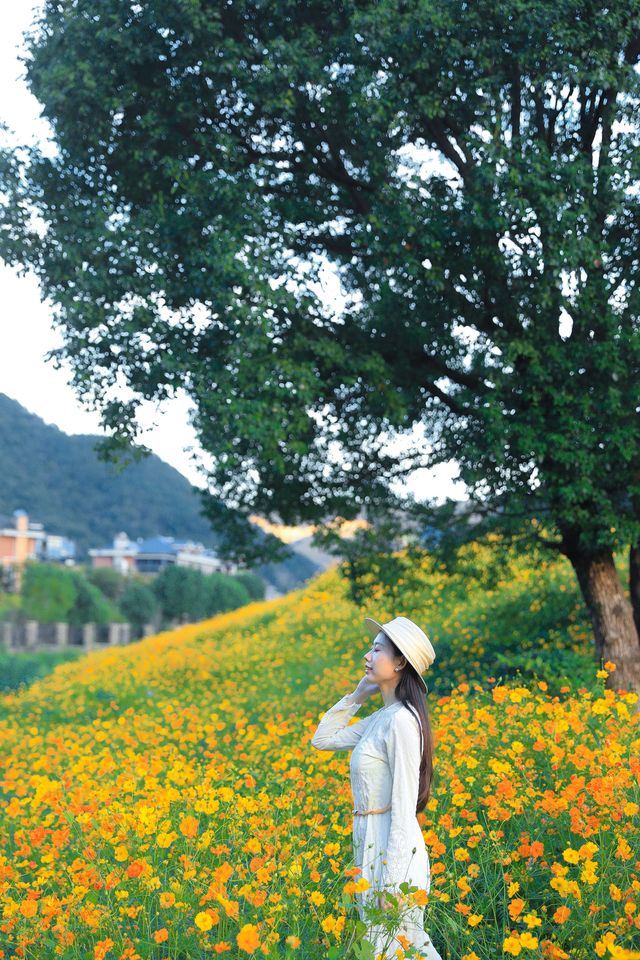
(121, 853)
(512, 946)
(528, 940)
(571, 856)
(165, 840)
(203, 921)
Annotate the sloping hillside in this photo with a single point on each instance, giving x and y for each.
(164, 800)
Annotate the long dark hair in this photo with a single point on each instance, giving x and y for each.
(410, 691)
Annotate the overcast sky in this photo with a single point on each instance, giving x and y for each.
(26, 331)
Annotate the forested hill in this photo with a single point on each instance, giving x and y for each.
(60, 482)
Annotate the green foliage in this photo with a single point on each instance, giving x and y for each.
(53, 594)
(189, 595)
(108, 581)
(491, 293)
(48, 593)
(22, 668)
(180, 593)
(89, 605)
(224, 592)
(9, 603)
(523, 618)
(139, 604)
(254, 584)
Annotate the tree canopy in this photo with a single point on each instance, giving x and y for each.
(469, 173)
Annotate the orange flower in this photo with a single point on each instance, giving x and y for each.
(189, 826)
(420, 897)
(29, 908)
(562, 914)
(247, 939)
(161, 935)
(102, 948)
(516, 907)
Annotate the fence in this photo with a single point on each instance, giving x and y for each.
(20, 635)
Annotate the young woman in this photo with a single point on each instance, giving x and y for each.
(391, 768)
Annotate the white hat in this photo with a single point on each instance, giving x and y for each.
(409, 638)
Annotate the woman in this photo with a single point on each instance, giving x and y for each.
(391, 768)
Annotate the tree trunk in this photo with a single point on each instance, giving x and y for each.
(611, 614)
(634, 582)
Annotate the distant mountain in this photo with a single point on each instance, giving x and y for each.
(59, 481)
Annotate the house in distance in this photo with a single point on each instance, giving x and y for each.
(155, 553)
(21, 540)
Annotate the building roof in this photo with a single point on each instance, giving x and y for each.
(158, 545)
(35, 532)
(10, 523)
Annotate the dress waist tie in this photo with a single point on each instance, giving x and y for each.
(363, 813)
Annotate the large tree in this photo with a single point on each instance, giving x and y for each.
(469, 171)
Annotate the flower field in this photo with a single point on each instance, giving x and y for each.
(162, 800)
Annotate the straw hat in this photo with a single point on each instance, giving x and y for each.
(409, 638)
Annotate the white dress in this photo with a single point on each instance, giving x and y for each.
(388, 847)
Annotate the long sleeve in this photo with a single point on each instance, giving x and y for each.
(333, 731)
(404, 754)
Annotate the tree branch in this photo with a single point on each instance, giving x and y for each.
(435, 130)
(632, 51)
(516, 105)
(453, 405)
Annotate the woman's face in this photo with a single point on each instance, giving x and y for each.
(379, 661)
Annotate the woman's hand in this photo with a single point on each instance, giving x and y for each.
(364, 690)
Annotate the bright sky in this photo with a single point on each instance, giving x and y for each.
(26, 331)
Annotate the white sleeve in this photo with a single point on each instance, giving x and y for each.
(403, 744)
(333, 731)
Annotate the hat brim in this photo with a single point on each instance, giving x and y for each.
(375, 628)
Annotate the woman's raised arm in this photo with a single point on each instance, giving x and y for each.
(334, 732)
